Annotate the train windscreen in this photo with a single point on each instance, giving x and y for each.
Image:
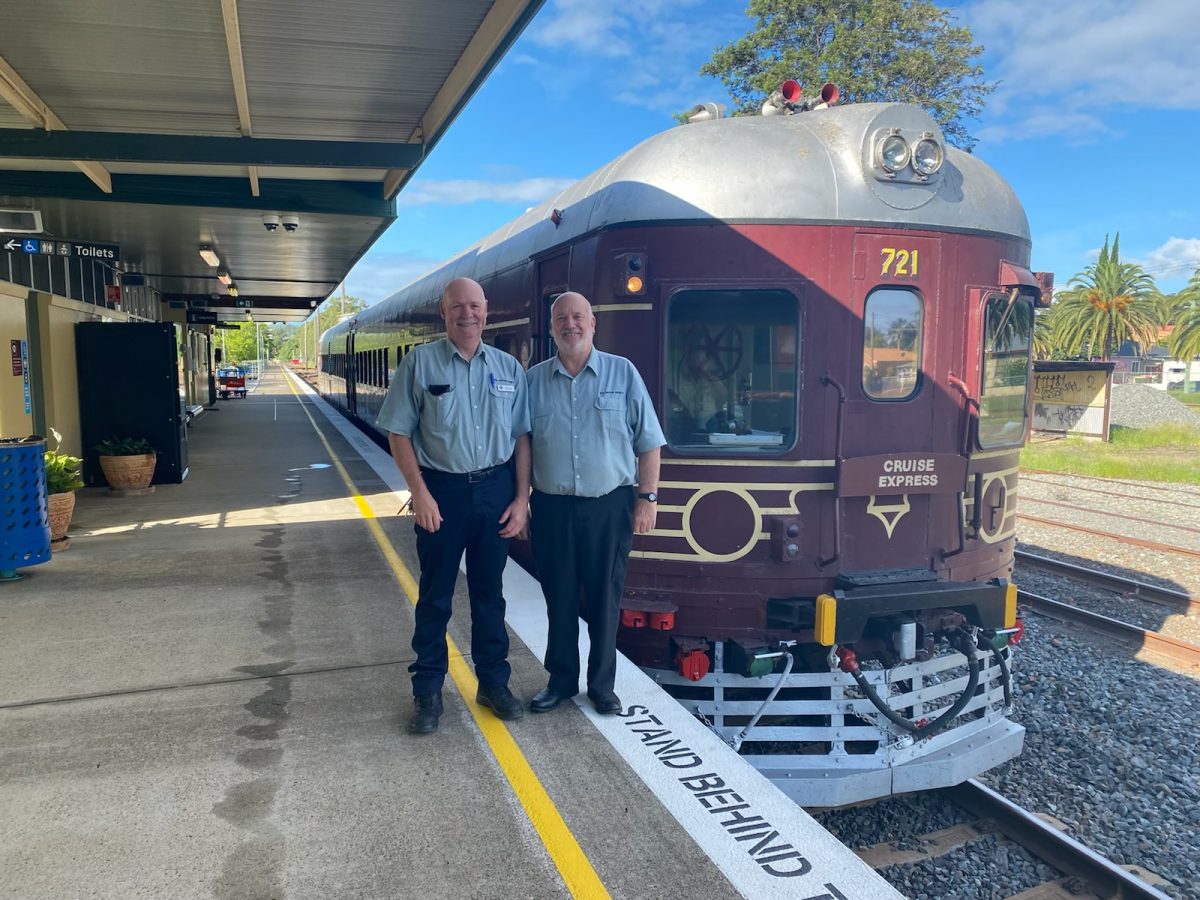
(731, 371)
(1007, 339)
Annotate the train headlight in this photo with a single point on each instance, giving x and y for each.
(927, 156)
(893, 153)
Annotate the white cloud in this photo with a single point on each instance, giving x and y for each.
(1078, 127)
(1176, 257)
(649, 58)
(457, 192)
(380, 274)
(1090, 54)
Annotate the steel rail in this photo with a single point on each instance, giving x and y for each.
(1172, 487)
(1173, 500)
(1124, 539)
(1108, 512)
(1180, 651)
(1047, 843)
(1182, 600)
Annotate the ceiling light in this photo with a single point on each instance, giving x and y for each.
(224, 277)
(233, 291)
(209, 255)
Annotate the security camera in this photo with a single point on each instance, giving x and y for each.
(291, 223)
(271, 223)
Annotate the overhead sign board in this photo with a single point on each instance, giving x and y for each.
(201, 317)
(81, 249)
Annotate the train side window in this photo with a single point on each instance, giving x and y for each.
(893, 322)
(1004, 385)
(731, 371)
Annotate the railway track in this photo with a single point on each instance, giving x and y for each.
(1178, 601)
(1173, 499)
(1124, 539)
(1083, 871)
(1152, 641)
(1172, 489)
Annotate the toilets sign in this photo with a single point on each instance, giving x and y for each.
(80, 249)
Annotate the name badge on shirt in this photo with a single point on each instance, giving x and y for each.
(504, 387)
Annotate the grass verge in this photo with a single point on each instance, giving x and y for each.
(1164, 453)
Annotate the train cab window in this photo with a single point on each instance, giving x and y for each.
(731, 371)
(1004, 385)
(893, 322)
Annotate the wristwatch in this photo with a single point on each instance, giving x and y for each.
(651, 496)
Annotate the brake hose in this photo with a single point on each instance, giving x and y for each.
(962, 643)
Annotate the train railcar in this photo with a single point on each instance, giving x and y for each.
(833, 313)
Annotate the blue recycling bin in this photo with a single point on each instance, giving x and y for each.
(24, 522)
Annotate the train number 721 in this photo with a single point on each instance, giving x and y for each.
(905, 262)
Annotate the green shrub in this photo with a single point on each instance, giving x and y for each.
(124, 446)
(62, 469)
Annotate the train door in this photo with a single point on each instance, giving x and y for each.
(899, 442)
(553, 276)
(351, 375)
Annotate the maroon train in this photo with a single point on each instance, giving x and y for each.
(833, 312)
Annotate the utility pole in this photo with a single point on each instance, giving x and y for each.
(342, 308)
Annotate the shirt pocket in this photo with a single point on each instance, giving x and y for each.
(438, 409)
(610, 407)
(503, 396)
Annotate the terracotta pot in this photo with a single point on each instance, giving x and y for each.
(61, 507)
(125, 473)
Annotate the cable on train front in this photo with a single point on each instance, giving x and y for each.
(855, 681)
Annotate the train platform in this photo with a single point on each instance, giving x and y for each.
(205, 696)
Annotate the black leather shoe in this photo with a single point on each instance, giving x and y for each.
(546, 699)
(499, 700)
(427, 709)
(606, 704)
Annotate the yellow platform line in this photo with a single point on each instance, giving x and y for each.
(568, 857)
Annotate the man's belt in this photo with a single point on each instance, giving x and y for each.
(466, 477)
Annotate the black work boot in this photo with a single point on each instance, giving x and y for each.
(427, 709)
(500, 700)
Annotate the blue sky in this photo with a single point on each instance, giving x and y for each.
(1094, 124)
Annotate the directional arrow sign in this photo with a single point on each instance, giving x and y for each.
(13, 245)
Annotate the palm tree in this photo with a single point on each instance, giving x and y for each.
(1185, 308)
(1107, 303)
(1043, 335)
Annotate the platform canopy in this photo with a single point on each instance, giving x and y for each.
(164, 127)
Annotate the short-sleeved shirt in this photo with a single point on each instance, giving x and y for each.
(461, 416)
(588, 430)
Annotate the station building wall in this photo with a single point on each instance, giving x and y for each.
(14, 421)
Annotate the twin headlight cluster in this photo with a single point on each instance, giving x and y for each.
(894, 153)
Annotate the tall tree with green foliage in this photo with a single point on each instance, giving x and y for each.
(297, 341)
(1107, 303)
(874, 50)
(1185, 313)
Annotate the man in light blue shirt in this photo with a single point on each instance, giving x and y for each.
(456, 414)
(595, 445)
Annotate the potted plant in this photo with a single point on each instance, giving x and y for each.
(62, 481)
(127, 464)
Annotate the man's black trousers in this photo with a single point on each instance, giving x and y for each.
(581, 544)
(471, 523)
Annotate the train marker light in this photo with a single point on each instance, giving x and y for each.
(631, 273)
(633, 618)
(893, 153)
(692, 664)
(927, 155)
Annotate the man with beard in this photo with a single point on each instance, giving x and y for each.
(596, 443)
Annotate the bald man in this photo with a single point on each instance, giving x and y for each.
(457, 418)
(595, 445)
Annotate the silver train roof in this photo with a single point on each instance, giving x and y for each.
(815, 167)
